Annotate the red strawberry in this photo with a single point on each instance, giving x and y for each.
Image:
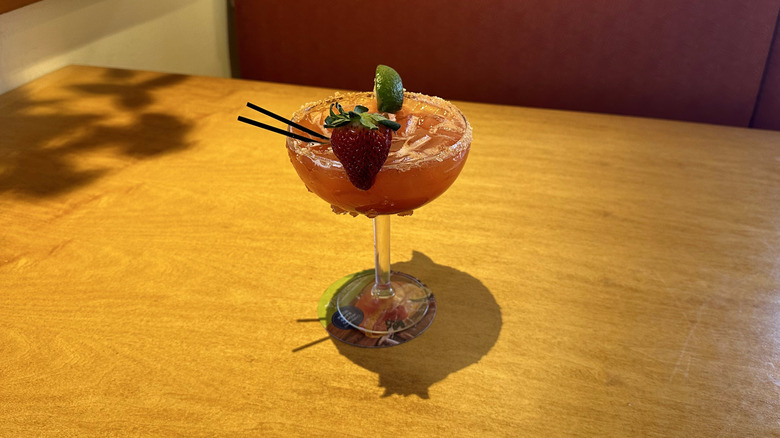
(362, 151)
(361, 142)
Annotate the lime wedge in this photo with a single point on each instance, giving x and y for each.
(389, 89)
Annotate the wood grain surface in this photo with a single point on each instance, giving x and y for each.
(161, 263)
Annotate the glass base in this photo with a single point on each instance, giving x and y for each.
(352, 314)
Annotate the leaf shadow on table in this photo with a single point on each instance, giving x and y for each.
(467, 325)
(44, 153)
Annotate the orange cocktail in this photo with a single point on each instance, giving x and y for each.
(426, 156)
(428, 147)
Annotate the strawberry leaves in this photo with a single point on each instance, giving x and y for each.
(359, 115)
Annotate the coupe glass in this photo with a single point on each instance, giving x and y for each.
(426, 156)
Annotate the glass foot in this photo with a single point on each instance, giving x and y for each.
(353, 314)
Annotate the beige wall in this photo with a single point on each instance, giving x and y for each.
(180, 36)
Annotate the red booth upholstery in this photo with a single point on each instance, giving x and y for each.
(767, 114)
(696, 60)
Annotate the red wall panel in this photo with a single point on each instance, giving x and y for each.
(767, 114)
(698, 60)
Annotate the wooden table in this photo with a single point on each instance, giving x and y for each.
(161, 263)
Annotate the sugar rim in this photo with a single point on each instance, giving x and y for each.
(463, 143)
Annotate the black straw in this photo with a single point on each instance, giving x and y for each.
(282, 119)
(278, 130)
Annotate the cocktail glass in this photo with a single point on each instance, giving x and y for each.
(427, 154)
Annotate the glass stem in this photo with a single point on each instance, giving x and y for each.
(382, 288)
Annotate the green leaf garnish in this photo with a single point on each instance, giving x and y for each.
(359, 115)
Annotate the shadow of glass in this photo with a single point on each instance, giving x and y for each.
(467, 325)
(41, 156)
